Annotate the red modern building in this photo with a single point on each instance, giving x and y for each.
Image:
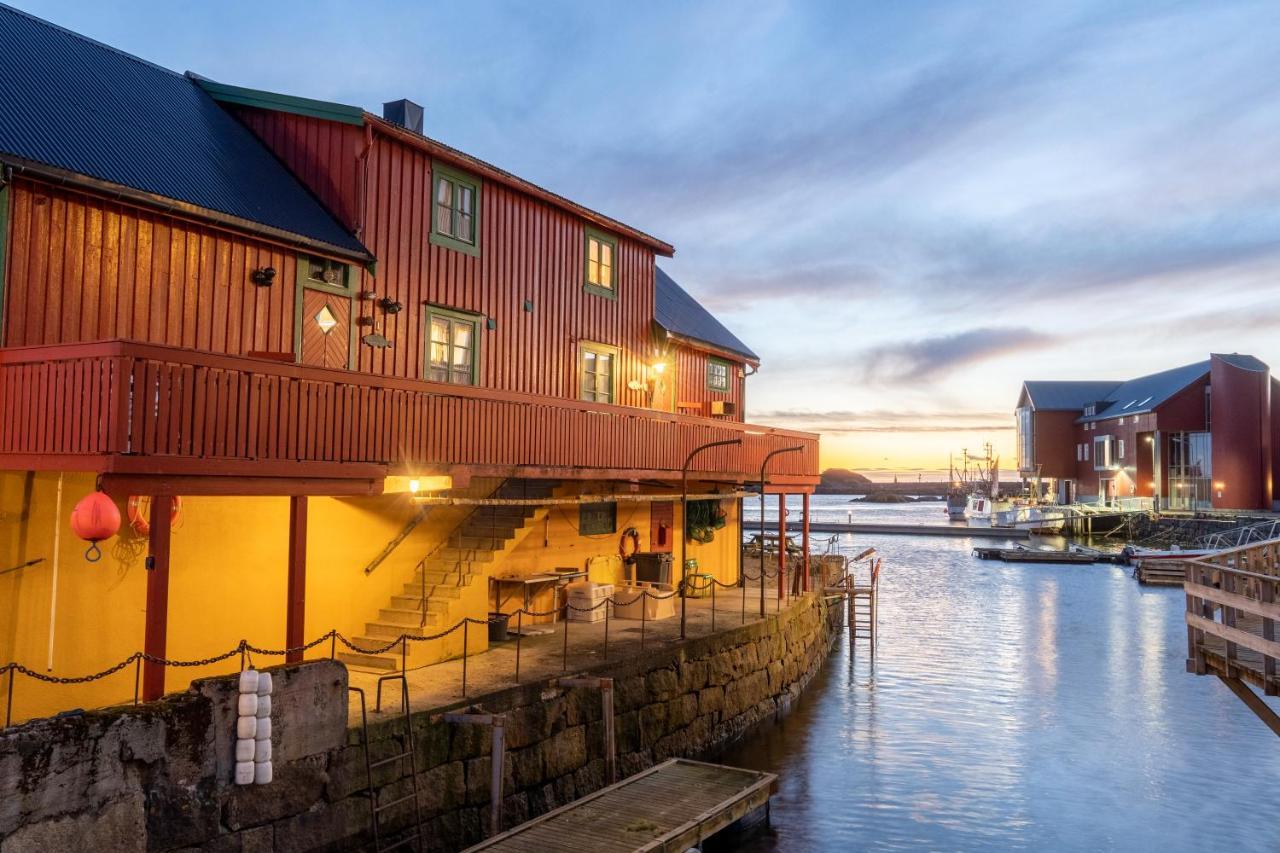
(1200, 436)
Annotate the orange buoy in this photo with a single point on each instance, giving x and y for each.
(95, 518)
(139, 509)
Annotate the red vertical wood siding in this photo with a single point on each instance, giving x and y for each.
(529, 250)
(691, 381)
(82, 268)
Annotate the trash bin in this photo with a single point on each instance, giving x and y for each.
(498, 627)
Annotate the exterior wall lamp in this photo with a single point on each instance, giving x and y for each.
(263, 277)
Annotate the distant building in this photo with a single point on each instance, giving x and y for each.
(1200, 436)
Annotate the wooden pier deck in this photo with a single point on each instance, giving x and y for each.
(673, 806)
(907, 529)
(1035, 555)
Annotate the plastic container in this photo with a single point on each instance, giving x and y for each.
(629, 604)
(585, 601)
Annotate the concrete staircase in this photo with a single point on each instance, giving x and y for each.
(450, 583)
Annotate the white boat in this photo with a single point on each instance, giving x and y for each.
(1138, 555)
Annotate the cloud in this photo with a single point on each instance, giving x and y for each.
(931, 358)
(841, 422)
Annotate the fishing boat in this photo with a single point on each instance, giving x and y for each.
(986, 507)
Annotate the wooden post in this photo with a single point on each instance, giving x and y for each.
(295, 616)
(805, 542)
(157, 626)
(782, 545)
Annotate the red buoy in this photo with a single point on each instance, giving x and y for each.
(95, 518)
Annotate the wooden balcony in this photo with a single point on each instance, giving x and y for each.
(121, 407)
(1233, 604)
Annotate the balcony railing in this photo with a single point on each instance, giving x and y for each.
(122, 406)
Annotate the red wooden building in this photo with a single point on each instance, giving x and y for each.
(249, 300)
(1200, 436)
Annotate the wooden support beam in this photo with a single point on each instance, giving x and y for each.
(295, 615)
(1253, 701)
(782, 546)
(805, 541)
(122, 485)
(155, 640)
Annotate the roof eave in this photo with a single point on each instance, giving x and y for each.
(713, 349)
(142, 198)
(327, 110)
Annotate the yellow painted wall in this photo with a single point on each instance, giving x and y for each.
(228, 578)
(557, 543)
(100, 609)
(228, 581)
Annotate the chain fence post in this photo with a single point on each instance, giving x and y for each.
(519, 637)
(608, 603)
(8, 705)
(137, 677)
(564, 660)
(713, 605)
(466, 624)
(333, 644)
(644, 606)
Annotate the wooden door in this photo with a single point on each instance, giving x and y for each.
(661, 526)
(326, 329)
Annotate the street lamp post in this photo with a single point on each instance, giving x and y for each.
(782, 544)
(684, 522)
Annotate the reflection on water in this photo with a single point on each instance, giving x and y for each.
(1015, 707)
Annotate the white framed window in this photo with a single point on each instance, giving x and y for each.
(1120, 448)
(598, 373)
(1086, 451)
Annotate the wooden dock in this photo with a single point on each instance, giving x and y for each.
(1035, 555)
(673, 806)
(909, 529)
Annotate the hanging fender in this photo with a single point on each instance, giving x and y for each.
(629, 557)
(139, 510)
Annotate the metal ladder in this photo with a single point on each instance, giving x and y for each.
(376, 808)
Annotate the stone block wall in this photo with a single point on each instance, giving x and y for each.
(157, 777)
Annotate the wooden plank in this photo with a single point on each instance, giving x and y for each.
(1234, 635)
(1253, 701)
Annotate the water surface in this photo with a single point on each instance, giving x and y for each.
(1014, 707)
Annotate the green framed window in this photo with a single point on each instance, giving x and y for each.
(455, 209)
(601, 267)
(718, 375)
(453, 346)
(324, 274)
(597, 519)
(598, 372)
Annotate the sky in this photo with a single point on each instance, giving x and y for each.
(905, 208)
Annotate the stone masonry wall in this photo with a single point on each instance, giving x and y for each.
(157, 777)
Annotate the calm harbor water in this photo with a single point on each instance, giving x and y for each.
(1014, 707)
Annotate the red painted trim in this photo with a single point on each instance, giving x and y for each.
(295, 616)
(157, 625)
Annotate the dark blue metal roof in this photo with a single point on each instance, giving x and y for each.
(1118, 399)
(679, 313)
(72, 103)
(1066, 396)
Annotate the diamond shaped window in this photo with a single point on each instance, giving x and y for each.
(325, 320)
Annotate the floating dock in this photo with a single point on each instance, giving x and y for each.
(1035, 555)
(673, 806)
(903, 529)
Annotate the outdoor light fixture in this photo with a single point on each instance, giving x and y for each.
(263, 277)
(659, 367)
(389, 305)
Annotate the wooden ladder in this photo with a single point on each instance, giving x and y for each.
(862, 602)
(414, 835)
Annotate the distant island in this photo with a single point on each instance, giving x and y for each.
(842, 481)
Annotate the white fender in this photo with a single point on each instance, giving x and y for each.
(264, 728)
(249, 681)
(261, 772)
(262, 750)
(264, 705)
(264, 684)
(247, 727)
(245, 749)
(245, 772)
(248, 705)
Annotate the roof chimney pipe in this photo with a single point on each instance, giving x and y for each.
(405, 113)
